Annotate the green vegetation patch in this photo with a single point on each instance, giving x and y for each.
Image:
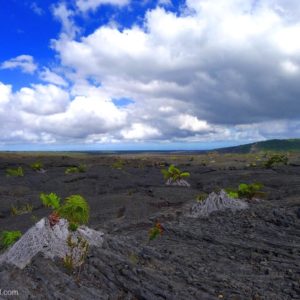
(14, 172)
(174, 173)
(37, 166)
(75, 210)
(8, 238)
(247, 191)
(50, 200)
(276, 159)
(76, 169)
(119, 164)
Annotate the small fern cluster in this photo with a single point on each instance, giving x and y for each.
(8, 238)
(247, 191)
(174, 173)
(75, 209)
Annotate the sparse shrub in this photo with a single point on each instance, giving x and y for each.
(155, 231)
(17, 172)
(8, 238)
(133, 258)
(34, 218)
(16, 211)
(76, 169)
(276, 159)
(119, 164)
(204, 163)
(78, 249)
(174, 173)
(37, 166)
(201, 197)
(246, 191)
(251, 165)
(75, 210)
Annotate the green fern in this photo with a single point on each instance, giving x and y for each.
(246, 191)
(50, 200)
(174, 173)
(8, 238)
(75, 210)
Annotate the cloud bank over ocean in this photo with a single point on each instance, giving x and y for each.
(197, 71)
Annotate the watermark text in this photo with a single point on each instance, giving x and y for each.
(6, 292)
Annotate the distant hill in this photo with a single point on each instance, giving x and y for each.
(271, 145)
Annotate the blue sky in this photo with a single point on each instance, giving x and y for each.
(162, 74)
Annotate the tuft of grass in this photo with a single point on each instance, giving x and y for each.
(75, 209)
(14, 172)
(76, 169)
(201, 197)
(16, 211)
(8, 238)
(76, 247)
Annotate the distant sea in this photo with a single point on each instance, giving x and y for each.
(120, 152)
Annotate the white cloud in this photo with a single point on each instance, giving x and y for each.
(187, 122)
(42, 99)
(37, 9)
(139, 131)
(24, 62)
(51, 77)
(65, 16)
(164, 2)
(290, 67)
(86, 5)
(5, 92)
(216, 70)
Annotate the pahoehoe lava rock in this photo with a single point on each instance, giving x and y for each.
(252, 253)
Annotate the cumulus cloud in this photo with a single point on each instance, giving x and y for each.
(42, 99)
(215, 70)
(51, 77)
(139, 131)
(226, 59)
(24, 62)
(188, 122)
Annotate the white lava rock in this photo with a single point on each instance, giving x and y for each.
(216, 202)
(50, 241)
